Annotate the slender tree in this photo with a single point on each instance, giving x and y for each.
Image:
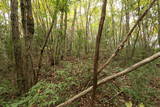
(113, 23)
(96, 57)
(87, 26)
(72, 30)
(65, 31)
(17, 47)
(138, 31)
(127, 16)
(158, 4)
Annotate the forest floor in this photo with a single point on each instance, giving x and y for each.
(59, 83)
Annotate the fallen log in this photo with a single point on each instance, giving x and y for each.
(124, 72)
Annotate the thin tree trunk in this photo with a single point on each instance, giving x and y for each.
(158, 2)
(65, 31)
(17, 46)
(59, 41)
(72, 31)
(113, 24)
(121, 26)
(87, 28)
(138, 32)
(127, 28)
(96, 57)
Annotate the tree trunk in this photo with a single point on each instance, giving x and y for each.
(127, 27)
(59, 41)
(87, 28)
(17, 47)
(61, 37)
(96, 57)
(28, 31)
(138, 32)
(158, 2)
(72, 31)
(113, 24)
(65, 31)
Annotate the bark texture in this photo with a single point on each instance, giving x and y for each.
(28, 31)
(158, 3)
(96, 57)
(17, 47)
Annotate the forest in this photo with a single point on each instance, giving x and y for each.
(79, 53)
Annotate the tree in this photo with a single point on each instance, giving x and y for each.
(127, 17)
(72, 30)
(28, 31)
(96, 57)
(17, 47)
(87, 26)
(158, 5)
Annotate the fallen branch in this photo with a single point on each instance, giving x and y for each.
(120, 47)
(127, 70)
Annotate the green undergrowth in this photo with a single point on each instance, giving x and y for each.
(139, 87)
(50, 93)
(144, 85)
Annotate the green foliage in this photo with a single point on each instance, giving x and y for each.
(61, 5)
(139, 85)
(42, 94)
(4, 5)
(8, 47)
(5, 87)
(6, 90)
(46, 93)
(79, 42)
(140, 89)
